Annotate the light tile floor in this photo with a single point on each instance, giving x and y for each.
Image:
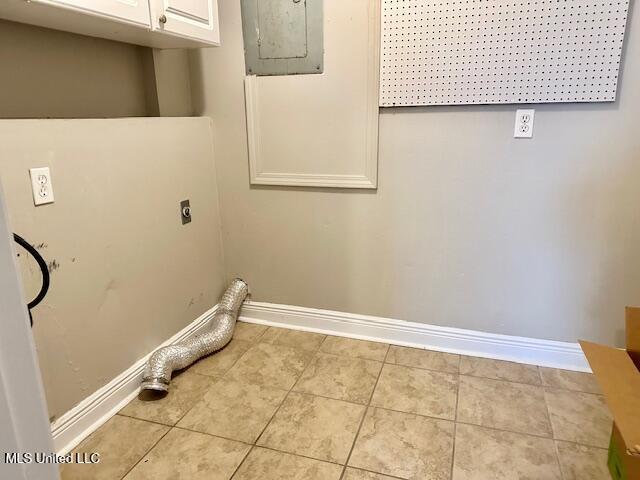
(281, 404)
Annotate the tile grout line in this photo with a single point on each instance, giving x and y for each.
(284, 399)
(385, 361)
(553, 433)
(266, 447)
(315, 459)
(459, 372)
(555, 448)
(213, 378)
(382, 408)
(295, 388)
(220, 377)
(147, 452)
(315, 354)
(292, 389)
(188, 410)
(378, 473)
(388, 345)
(155, 422)
(491, 428)
(459, 355)
(360, 468)
(323, 461)
(307, 367)
(215, 436)
(251, 447)
(257, 438)
(364, 415)
(455, 423)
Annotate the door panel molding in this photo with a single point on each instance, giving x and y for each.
(262, 173)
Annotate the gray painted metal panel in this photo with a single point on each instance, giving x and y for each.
(283, 37)
(282, 27)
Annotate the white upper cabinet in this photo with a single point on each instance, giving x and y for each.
(130, 11)
(153, 23)
(194, 19)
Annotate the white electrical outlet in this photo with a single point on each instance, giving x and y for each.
(524, 123)
(41, 185)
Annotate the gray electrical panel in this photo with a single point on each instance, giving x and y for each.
(282, 37)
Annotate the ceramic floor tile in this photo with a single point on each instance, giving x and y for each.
(234, 410)
(579, 462)
(486, 454)
(264, 464)
(342, 378)
(183, 455)
(185, 391)
(499, 370)
(218, 363)
(414, 390)
(579, 417)
(567, 380)
(351, 347)
(293, 338)
(249, 332)
(116, 456)
(314, 427)
(404, 445)
(261, 365)
(355, 474)
(504, 405)
(274, 366)
(415, 357)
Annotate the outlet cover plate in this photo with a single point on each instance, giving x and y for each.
(185, 211)
(524, 123)
(41, 185)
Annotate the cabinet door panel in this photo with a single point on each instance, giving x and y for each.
(195, 19)
(129, 11)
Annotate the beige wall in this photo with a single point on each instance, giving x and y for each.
(125, 274)
(469, 227)
(52, 74)
(173, 85)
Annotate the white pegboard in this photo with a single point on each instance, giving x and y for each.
(445, 52)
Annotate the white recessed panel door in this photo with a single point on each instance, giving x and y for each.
(193, 19)
(129, 11)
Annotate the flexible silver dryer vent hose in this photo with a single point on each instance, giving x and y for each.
(162, 363)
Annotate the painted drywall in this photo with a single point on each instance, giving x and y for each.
(125, 273)
(173, 85)
(52, 74)
(469, 227)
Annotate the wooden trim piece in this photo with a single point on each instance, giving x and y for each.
(90, 414)
(369, 176)
(547, 353)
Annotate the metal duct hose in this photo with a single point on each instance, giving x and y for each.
(162, 363)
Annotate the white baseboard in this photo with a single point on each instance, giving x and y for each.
(86, 417)
(75, 425)
(548, 353)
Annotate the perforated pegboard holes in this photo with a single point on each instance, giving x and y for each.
(487, 51)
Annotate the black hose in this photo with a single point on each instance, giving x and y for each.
(43, 268)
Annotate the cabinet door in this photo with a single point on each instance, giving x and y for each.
(194, 19)
(129, 11)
